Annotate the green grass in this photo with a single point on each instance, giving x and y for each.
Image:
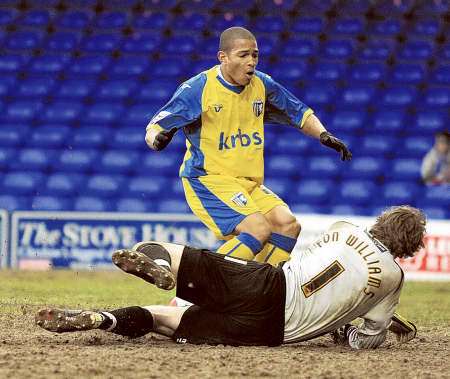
(426, 303)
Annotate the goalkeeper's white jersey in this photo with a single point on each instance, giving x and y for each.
(345, 274)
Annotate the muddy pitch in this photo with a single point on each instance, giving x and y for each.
(28, 351)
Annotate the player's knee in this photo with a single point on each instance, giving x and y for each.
(289, 227)
(256, 225)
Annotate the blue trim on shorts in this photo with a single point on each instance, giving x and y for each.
(224, 217)
(234, 248)
(283, 242)
(251, 242)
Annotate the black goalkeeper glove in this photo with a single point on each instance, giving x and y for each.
(403, 329)
(327, 139)
(163, 138)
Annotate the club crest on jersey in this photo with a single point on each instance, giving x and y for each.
(239, 199)
(258, 107)
(218, 107)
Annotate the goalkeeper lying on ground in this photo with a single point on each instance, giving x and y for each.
(348, 273)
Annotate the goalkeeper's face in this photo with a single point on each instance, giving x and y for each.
(238, 64)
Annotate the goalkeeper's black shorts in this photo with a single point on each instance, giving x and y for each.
(236, 302)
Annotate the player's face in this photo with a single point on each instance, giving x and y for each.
(239, 63)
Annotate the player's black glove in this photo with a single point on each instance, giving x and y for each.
(340, 336)
(327, 139)
(163, 138)
(403, 329)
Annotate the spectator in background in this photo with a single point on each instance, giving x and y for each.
(436, 164)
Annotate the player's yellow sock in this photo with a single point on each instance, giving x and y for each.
(244, 246)
(277, 250)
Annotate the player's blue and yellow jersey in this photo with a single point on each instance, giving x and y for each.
(224, 124)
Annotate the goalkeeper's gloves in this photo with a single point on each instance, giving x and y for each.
(327, 139)
(403, 329)
(340, 336)
(163, 138)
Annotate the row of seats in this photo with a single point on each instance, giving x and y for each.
(364, 196)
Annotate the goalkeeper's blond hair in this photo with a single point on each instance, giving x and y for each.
(401, 229)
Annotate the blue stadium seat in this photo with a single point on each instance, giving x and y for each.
(357, 96)
(35, 87)
(390, 121)
(296, 146)
(282, 165)
(320, 167)
(21, 111)
(326, 70)
(267, 46)
(306, 208)
(13, 135)
(111, 20)
(429, 122)
(141, 43)
(7, 16)
(397, 193)
(315, 191)
(61, 111)
(14, 203)
(438, 97)
(24, 40)
(308, 25)
(22, 183)
(177, 187)
(91, 204)
(348, 121)
(104, 186)
(199, 65)
(390, 27)
(345, 209)
(74, 19)
(132, 205)
(399, 96)
(158, 90)
(76, 88)
(151, 21)
(77, 160)
(32, 160)
(129, 66)
(225, 21)
(438, 196)
(116, 89)
(151, 162)
(48, 64)
(7, 155)
(290, 73)
(442, 74)
(62, 41)
(338, 49)
(319, 94)
(434, 212)
(348, 26)
(368, 72)
(408, 74)
(426, 28)
(444, 52)
(7, 83)
(167, 68)
(149, 187)
(128, 139)
(36, 18)
(49, 136)
(101, 43)
(299, 48)
(376, 50)
(173, 206)
(12, 63)
(140, 115)
(416, 50)
(357, 192)
(364, 168)
(283, 187)
(416, 147)
(405, 169)
(269, 24)
(50, 203)
(64, 184)
(194, 22)
(91, 137)
(103, 113)
(117, 162)
(89, 65)
(372, 144)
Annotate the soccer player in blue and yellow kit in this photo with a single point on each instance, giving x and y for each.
(222, 113)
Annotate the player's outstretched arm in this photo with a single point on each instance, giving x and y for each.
(314, 128)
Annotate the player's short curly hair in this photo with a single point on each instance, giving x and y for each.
(229, 35)
(401, 229)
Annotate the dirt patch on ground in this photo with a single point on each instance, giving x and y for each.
(28, 351)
